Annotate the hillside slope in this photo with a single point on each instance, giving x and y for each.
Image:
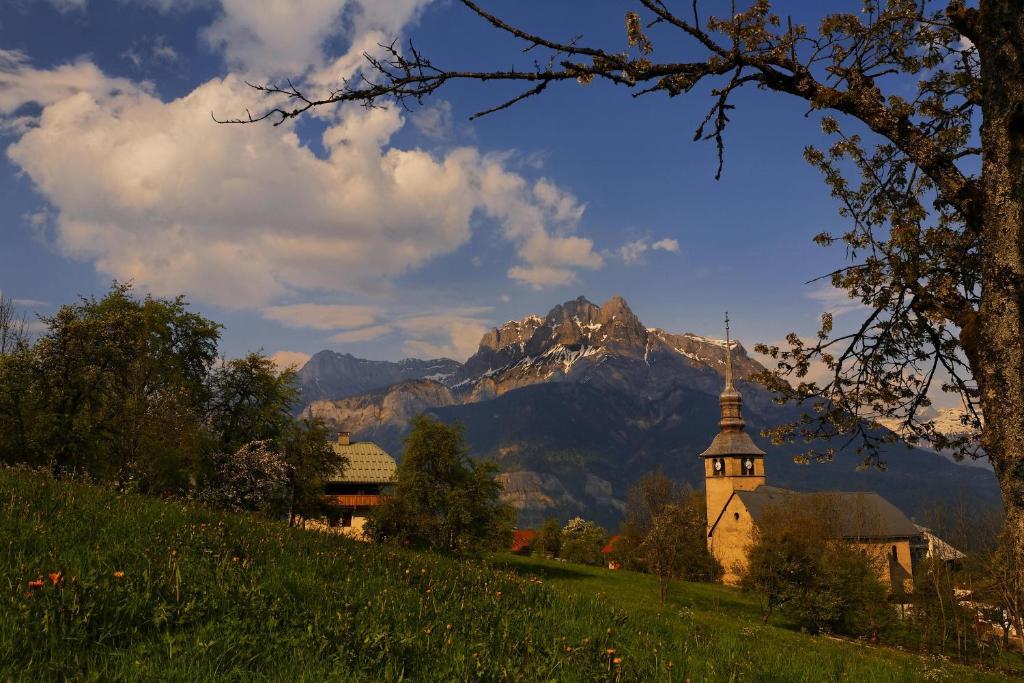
(132, 588)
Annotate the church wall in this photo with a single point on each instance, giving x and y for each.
(731, 540)
(896, 573)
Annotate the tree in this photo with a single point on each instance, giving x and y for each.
(443, 500)
(250, 401)
(675, 545)
(933, 92)
(254, 478)
(582, 541)
(644, 501)
(13, 326)
(549, 538)
(310, 459)
(798, 566)
(115, 387)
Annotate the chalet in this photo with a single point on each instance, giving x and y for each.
(738, 499)
(365, 482)
(523, 540)
(609, 553)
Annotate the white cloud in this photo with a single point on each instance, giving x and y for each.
(434, 121)
(240, 216)
(632, 253)
(289, 359)
(274, 37)
(454, 334)
(364, 334)
(322, 316)
(68, 5)
(21, 84)
(834, 301)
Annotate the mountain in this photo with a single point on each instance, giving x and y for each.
(332, 375)
(578, 404)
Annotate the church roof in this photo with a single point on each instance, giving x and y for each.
(732, 443)
(367, 464)
(857, 515)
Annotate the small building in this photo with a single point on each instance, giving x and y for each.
(738, 499)
(365, 482)
(608, 551)
(522, 541)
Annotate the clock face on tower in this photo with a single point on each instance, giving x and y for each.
(718, 465)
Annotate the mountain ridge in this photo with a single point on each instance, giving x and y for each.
(577, 404)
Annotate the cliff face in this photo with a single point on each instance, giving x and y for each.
(578, 404)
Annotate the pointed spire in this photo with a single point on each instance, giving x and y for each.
(728, 354)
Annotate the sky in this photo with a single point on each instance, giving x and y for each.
(387, 233)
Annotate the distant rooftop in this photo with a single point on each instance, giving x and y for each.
(368, 463)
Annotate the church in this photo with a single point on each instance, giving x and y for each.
(738, 498)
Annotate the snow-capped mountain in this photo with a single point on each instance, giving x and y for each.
(576, 405)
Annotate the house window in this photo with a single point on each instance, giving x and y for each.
(346, 518)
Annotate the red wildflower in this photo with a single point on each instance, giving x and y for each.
(37, 583)
(56, 577)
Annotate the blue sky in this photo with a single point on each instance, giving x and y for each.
(381, 233)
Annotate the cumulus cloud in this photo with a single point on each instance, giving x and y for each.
(21, 84)
(452, 334)
(155, 192)
(289, 359)
(322, 316)
(667, 244)
(434, 121)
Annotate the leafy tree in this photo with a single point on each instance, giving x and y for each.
(675, 546)
(115, 387)
(582, 541)
(549, 538)
(928, 176)
(646, 498)
(797, 566)
(443, 500)
(254, 478)
(250, 401)
(309, 458)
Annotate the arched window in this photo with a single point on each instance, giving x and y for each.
(719, 467)
(748, 466)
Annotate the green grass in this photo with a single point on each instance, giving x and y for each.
(209, 596)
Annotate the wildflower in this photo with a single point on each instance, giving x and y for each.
(118, 574)
(37, 583)
(56, 577)
(617, 660)
(610, 651)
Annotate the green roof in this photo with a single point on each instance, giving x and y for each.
(367, 464)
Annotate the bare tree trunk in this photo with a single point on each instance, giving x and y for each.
(998, 357)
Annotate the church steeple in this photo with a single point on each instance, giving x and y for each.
(733, 461)
(730, 400)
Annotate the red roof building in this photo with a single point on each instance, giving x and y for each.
(522, 540)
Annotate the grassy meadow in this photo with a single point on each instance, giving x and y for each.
(98, 586)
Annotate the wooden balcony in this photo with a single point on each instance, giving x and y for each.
(355, 500)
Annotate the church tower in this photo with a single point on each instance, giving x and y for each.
(732, 462)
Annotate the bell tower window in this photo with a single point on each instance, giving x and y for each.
(748, 466)
(719, 466)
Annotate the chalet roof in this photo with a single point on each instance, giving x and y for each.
(857, 515)
(939, 549)
(732, 443)
(367, 464)
(522, 539)
(610, 545)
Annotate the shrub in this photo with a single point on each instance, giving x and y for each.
(582, 542)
